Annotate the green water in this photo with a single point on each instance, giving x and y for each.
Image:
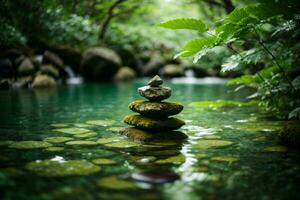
(244, 169)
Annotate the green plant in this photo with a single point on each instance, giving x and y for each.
(263, 40)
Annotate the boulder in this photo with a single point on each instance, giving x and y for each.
(172, 70)
(156, 109)
(147, 136)
(6, 68)
(155, 93)
(142, 122)
(99, 64)
(43, 81)
(13, 54)
(124, 74)
(51, 58)
(50, 71)
(26, 68)
(152, 67)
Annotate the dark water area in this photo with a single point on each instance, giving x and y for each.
(230, 153)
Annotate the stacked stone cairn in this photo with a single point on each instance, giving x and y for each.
(153, 121)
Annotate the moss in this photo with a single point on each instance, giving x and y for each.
(147, 123)
(205, 144)
(63, 168)
(115, 183)
(156, 109)
(103, 161)
(72, 131)
(30, 145)
(58, 139)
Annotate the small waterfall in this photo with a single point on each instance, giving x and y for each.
(72, 78)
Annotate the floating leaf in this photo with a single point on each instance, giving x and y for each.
(205, 144)
(58, 139)
(82, 143)
(30, 145)
(104, 122)
(177, 160)
(72, 131)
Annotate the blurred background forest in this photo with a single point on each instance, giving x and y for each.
(44, 42)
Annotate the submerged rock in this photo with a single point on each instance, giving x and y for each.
(63, 168)
(43, 81)
(148, 123)
(205, 144)
(156, 109)
(155, 177)
(103, 122)
(30, 145)
(81, 143)
(103, 161)
(58, 139)
(115, 183)
(72, 131)
(144, 136)
(108, 140)
(155, 93)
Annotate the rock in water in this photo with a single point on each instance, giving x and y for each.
(155, 93)
(51, 58)
(43, 81)
(155, 81)
(26, 68)
(156, 109)
(148, 123)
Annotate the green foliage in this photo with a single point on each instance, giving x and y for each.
(263, 40)
(185, 23)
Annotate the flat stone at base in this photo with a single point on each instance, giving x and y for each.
(155, 109)
(146, 136)
(142, 122)
(155, 93)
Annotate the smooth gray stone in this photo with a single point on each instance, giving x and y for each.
(155, 81)
(155, 93)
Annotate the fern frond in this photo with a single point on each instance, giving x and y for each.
(185, 23)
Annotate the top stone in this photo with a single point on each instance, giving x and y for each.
(155, 81)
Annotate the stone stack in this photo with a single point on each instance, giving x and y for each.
(154, 121)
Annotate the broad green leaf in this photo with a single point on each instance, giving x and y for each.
(245, 79)
(197, 45)
(185, 23)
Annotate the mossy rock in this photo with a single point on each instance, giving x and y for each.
(72, 131)
(53, 168)
(30, 145)
(155, 109)
(57, 139)
(86, 135)
(145, 136)
(104, 122)
(276, 149)
(55, 149)
(114, 183)
(205, 144)
(103, 161)
(148, 123)
(81, 143)
(176, 160)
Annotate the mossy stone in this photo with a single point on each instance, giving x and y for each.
(276, 149)
(86, 135)
(115, 183)
(148, 123)
(205, 144)
(144, 136)
(72, 131)
(58, 139)
(30, 145)
(176, 160)
(104, 122)
(82, 143)
(155, 109)
(53, 168)
(55, 149)
(103, 161)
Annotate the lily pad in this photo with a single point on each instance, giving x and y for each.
(177, 160)
(228, 159)
(115, 183)
(55, 149)
(30, 145)
(58, 139)
(205, 144)
(122, 144)
(108, 140)
(277, 149)
(73, 131)
(59, 125)
(81, 143)
(63, 168)
(104, 122)
(114, 129)
(86, 135)
(83, 125)
(103, 161)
